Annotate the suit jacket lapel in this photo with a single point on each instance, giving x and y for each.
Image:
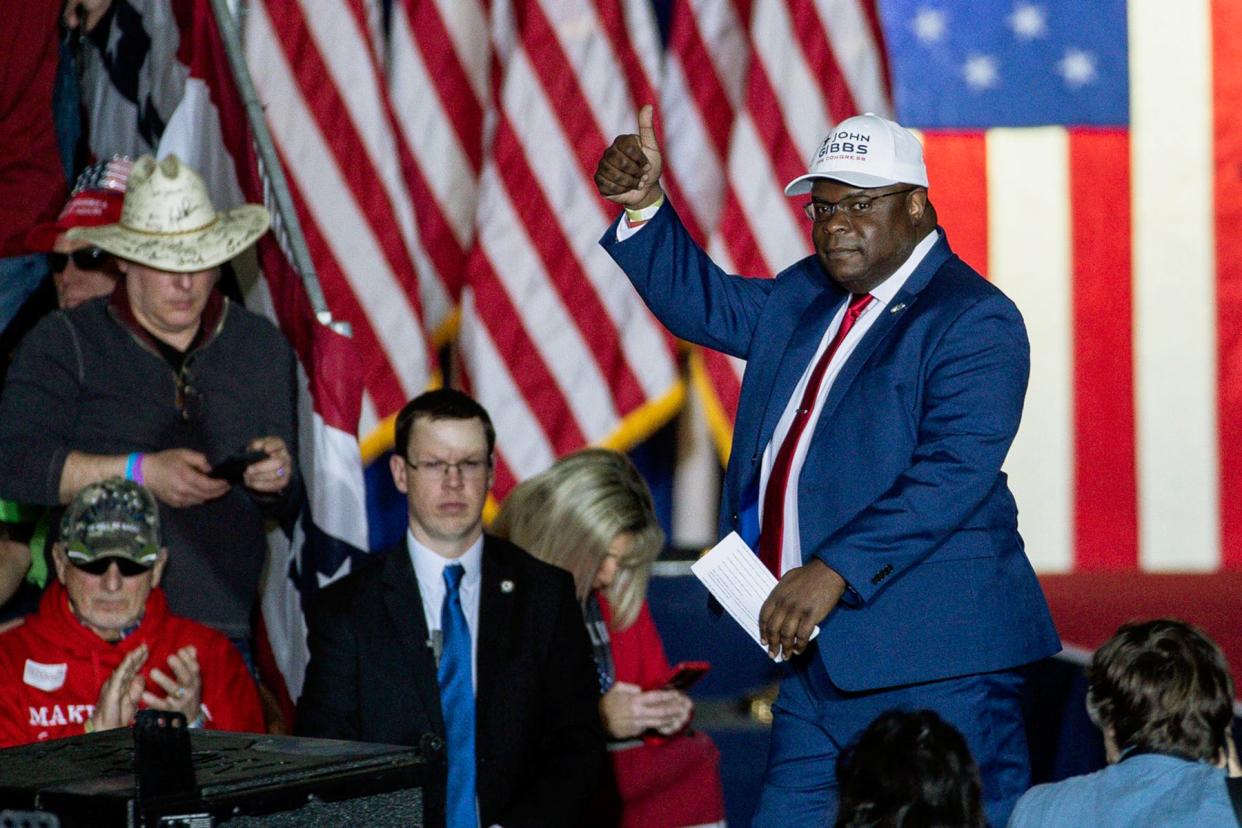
(404, 604)
(890, 315)
(496, 608)
(799, 350)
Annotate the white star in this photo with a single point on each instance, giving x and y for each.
(1028, 21)
(981, 72)
(930, 25)
(1077, 67)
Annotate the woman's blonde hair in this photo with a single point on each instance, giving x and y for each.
(570, 514)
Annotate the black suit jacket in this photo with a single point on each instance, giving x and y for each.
(372, 678)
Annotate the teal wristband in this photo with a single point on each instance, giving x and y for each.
(133, 467)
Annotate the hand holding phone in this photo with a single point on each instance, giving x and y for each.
(682, 677)
(234, 466)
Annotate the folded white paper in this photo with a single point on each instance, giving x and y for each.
(735, 577)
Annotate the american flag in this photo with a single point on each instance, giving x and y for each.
(554, 342)
(1086, 158)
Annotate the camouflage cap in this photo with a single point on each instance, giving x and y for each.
(115, 518)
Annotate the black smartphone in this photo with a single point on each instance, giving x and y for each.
(682, 677)
(234, 466)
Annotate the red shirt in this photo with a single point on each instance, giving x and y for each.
(32, 180)
(51, 669)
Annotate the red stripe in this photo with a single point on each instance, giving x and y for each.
(336, 125)
(1227, 128)
(538, 387)
(957, 172)
(565, 272)
(379, 377)
(1105, 478)
(725, 381)
(709, 94)
(821, 62)
(435, 233)
(561, 88)
(738, 236)
(877, 31)
(451, 84)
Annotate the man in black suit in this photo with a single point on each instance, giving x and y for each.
(389, 661)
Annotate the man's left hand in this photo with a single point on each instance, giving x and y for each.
(273, 473)
(802, 598)
(184, 687)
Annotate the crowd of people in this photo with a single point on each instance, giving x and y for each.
(148, 438)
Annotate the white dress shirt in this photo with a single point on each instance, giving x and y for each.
(429, 570)
(791, 545)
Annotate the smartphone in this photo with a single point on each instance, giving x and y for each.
(682, 677)
(234, 466)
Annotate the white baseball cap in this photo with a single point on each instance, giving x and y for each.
(865, 151)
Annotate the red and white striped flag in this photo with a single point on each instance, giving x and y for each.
(554, 341)
(318, 76)
(750, 89)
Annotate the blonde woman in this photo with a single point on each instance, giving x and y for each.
(592, 515)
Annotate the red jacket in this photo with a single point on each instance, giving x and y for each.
(670, 782)
(51, 669)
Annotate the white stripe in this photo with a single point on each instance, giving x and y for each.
(781, 238)
(519, 434)
(857, 54)
(335, 485)
(345, 52)
(576, 209)
(802, 104)
(466, 22)
(724, 37)
(689, 154)
(644, 38)
(332, 206)
(1174, 286)
(1030, 260)
(549, 324)
(428, 130)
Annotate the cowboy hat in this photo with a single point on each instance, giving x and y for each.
(169, 223)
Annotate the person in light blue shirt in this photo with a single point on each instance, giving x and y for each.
(1161, 693)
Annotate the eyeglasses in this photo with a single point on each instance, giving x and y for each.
(470, 469)
(100, 566)
(88, 258)
(854, 207)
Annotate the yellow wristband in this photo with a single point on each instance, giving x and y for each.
(645, 214)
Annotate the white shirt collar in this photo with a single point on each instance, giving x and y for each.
(886, 290)
(429, 565)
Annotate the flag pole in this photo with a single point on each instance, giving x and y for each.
(285, 225)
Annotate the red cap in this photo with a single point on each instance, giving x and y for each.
(97, 199)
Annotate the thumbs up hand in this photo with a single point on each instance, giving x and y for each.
(629, 170)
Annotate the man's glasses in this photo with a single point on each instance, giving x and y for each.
(100, 566)
(88, 258)
(854, 207)
(471, 469)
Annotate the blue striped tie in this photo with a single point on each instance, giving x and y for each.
(457, 702)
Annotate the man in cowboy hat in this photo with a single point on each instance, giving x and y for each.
(103, 642)
(160, 383)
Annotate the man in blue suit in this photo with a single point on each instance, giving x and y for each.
(883, 387)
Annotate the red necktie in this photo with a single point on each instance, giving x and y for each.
(772, 532)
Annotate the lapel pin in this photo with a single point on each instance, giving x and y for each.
(506, 587)
(897, 308)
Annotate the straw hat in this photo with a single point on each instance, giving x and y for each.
(169, 223)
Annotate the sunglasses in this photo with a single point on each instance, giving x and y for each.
(100, 566)
(88, 258)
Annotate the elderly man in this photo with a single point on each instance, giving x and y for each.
(1162, 695)
(162, 383)
(104, 643)
(883, 387)
(460, 639)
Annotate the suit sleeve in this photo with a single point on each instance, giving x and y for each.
(975, 384)
(572, 745)
(329, 704)
(685, 289)
(37, 412)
